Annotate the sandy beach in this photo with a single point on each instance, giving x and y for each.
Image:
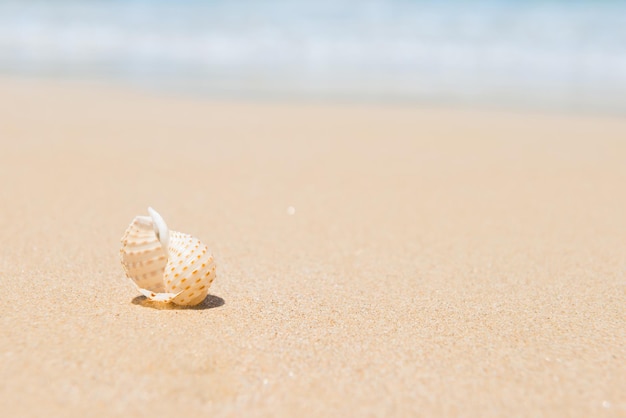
(371, 260)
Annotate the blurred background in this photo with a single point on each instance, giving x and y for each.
(545, 54)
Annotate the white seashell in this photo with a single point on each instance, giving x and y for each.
(166, 266)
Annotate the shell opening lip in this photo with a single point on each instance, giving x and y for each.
(160, 228)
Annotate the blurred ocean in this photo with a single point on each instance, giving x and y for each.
(556, 54)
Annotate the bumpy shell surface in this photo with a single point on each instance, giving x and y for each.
(166, 266)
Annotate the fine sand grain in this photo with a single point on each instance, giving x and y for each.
(372, 261)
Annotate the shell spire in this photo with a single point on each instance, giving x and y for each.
(166, 266)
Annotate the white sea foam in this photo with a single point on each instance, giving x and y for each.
(562, 53)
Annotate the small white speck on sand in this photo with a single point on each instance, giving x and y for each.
(606, 404)
(291, 210)
(265, 381)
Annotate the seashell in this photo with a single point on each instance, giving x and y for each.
(166, 266)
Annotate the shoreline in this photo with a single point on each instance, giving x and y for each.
(182, 92)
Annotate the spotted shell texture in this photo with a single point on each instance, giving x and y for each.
(166, 266)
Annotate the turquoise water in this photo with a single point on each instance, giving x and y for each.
(549, 54)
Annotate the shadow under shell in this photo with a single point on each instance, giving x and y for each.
(210, 302)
